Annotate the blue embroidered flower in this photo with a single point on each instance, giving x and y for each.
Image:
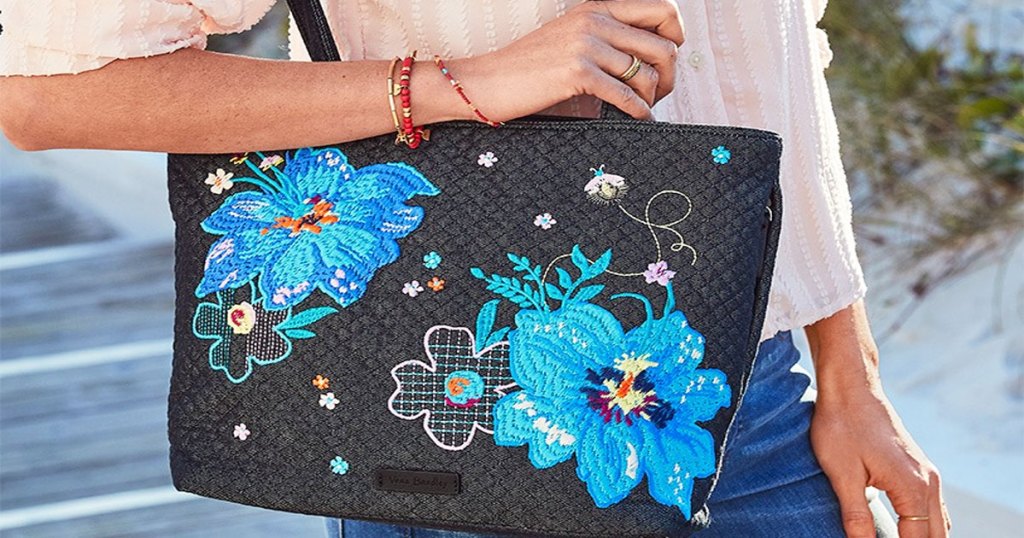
(244, 333)
(319, 223)
(625, 403)
(339, 465)
(721, 155)
(431, 260)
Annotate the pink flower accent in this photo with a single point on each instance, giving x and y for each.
(658, 272)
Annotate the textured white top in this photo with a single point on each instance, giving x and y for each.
(757, 64)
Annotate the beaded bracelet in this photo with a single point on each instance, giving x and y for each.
(458, 89)
(413, 134)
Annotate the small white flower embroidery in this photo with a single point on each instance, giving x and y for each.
(487, 159)
(241, 432)
(412, 289)
(329, 401)
(545, 221)
(220, 182)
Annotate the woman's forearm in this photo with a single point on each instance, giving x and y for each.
(844, 353)
(194, 101)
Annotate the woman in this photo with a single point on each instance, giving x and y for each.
(141, 80)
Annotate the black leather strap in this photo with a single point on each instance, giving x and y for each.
(314, 29)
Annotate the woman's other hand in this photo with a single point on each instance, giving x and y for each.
(858, 438)
(581, 53)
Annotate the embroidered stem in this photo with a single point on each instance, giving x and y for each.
(281, 179)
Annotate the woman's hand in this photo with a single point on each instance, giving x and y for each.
(580, 53)
(858, 438)
(194, 101)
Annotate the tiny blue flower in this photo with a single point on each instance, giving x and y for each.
(721, 155)
(339, 465)
(431, 260)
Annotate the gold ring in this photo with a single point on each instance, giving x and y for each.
(913, 518)
(634, 68)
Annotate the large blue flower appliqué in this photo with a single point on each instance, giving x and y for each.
(318, 223)
(626, 404)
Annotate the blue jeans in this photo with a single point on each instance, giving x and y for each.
(771, 483)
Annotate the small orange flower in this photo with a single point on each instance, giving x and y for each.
(436, 284)
(321, 382)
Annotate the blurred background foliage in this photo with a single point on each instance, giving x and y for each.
(932, 140)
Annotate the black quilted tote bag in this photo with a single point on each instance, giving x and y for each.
(540, 329)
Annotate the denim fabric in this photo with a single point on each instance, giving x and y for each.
(771, 483)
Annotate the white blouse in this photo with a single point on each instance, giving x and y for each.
(757, 64)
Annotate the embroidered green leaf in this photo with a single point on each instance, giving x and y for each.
(485, 322)
(564, 279)
(553, 291)
(498, 336)
(299, 334)
(601, 265)
(477, 272)
(579, 259)
(587, 293)
(306, 317)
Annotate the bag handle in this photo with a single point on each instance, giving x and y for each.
(316, 35)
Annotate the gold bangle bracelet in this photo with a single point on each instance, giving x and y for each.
(392, 91)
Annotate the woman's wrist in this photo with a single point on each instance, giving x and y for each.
(845, 356)
(433, 99)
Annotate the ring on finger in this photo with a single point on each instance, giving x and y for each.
(913, 518)
(634, 68)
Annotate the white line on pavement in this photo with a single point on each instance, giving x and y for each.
(91, 506)
(43, 256)
(84, 357)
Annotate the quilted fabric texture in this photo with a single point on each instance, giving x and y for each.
(521, 188)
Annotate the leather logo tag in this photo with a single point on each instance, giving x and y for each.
(417, 481)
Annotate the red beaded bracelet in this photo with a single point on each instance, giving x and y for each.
(413, 135)
(458, 89)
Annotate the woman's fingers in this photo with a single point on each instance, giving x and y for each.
(615, 62)
(858, 522)
(615, 92)
(655, 51)
(938, 517)
(660, 16)
(911, 499)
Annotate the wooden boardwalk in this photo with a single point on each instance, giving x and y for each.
(85, 332)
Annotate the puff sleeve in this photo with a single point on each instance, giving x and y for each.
(47, 37)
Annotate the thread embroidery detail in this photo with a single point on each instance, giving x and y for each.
(315, 223)
(241, 432)
(625, 403)
(244, 333)
(456, 389)
(431, 260)
(412, 289)
(220, 181)
(658, 272)
(721, 155)
(436, 284)
(321, 382)
(487, 159)
(328, 401)
(339, 466)
(544, 221)
(610, 189)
